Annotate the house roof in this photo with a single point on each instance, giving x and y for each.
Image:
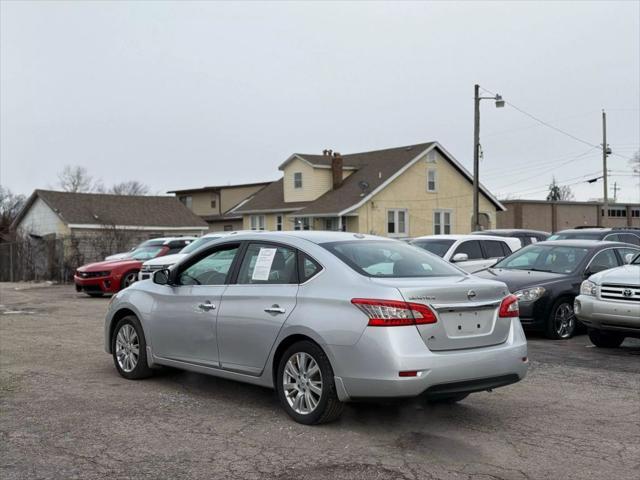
(215, 188)
(120, 210)
(376, 168)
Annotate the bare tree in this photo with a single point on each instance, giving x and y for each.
(75, 178)
(10, 206)
(132, 187)
(559, 192)
(635, 163)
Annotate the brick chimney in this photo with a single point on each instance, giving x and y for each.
(336, 169)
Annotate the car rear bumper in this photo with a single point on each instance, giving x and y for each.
(96, 285)
(371, 368)
(610, 315)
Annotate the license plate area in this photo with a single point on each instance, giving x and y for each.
(468, 323)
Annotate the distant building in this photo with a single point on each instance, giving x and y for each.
(555, 216)
(214, 204)
(397, 192)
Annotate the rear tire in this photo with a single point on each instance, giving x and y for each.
(603, 339)
(305, 385)
(95, 294)
(129, 349)
(562, 321)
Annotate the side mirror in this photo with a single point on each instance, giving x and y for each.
(460, 257)
(161, 277)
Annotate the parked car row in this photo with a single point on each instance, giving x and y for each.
(328, 317)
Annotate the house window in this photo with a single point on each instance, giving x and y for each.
(297, 180)
(617, 212)
(332, 224)
(301, 223)
(397, 222)
(432, 177)
(257, 222)
(213, 203)
(228, 228)
(441, 222)
(187, 201)
(278, 222)
(635, 212)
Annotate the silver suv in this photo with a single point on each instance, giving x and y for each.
(609, 305)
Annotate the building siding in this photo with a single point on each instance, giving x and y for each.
(41, 220)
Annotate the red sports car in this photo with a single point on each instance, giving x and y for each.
(111, 276)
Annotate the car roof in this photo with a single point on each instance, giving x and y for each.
(583, 243)
(315, 236)
(510, 230)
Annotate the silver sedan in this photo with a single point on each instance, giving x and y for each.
(324, 318)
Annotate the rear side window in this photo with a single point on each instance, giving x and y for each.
(268, 264)
(309, 268)
(494, 248)
(629, 238)
(471, 248)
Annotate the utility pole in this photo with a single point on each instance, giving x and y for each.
(476, 158)
(605, 199)
(615, 192)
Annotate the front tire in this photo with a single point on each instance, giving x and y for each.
(129, 349)
(128, 279)
(562, 322)
(605, 339)
(305, 385)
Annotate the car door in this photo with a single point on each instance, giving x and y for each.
(256, 305)
(183, 322)
(475, 260)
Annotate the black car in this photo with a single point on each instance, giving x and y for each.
(617, 234)
(546, 278)
(526, 237)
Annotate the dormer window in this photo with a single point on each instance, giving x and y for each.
(432, 178)
(297, 180)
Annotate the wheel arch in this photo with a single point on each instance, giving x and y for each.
(117, 316)
(282, 347)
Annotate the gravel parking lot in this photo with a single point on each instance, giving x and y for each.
(66, 413)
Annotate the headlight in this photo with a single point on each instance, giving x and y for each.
(588, 288)
(529, 294)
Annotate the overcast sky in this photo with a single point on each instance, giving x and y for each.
(179, 94)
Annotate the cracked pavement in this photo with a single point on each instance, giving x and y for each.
(65, 413)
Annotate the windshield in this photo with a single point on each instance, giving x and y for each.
(385, 259)
(193, 246)
(576, 236)
(545, 258)
(435, 245)
(145, 253)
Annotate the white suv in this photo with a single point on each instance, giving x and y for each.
(471, 253)
(160, 263)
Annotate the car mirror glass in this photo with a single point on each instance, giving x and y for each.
(161, 277)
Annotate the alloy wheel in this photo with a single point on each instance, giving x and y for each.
(302, 383)
(129, 279)
(564, 320)
(127, 348)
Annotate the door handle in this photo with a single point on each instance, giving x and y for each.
(207, 306)
(275, 309)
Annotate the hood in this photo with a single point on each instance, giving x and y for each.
(117, 256)
(165, 260)
(519, 279)
(109, 265)
(626, 275)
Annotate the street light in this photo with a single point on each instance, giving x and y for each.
(476, 151)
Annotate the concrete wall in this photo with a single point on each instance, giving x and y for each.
(41, 220)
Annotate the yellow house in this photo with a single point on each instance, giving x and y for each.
(398, 192)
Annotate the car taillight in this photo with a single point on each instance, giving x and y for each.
(394, 313)
(509, 307)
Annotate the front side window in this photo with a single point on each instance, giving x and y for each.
(627, 254)
(268, 264)
(257, 222)
(545, 258)
(432, 176)
(379, 258)
(604, 260)
(297, 180)
(397, 222)
(471, 248)
(441, 222)
(210, 270)
(494, 248)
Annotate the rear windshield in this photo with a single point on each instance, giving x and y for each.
(386, 259)
(436, 246)
(576, 236)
